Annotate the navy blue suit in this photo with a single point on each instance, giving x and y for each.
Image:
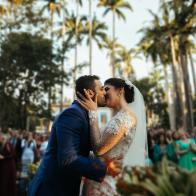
(66, 159)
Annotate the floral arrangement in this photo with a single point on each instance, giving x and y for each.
(32, 168)
(164, 179)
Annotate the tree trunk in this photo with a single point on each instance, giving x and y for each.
(62, 62)
(171, 106)
(76, 47)
(177, 96)
(90, 37)
(186, 81)
(62, 86)
(20, 107)
(113, 39)
(28, 123)
(49, 100)
(50, 87)
(193, 71)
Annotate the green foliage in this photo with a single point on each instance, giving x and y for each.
(164, 179)
(71, 27)
(98, 31)
(29, 68)
(27, 72)
(167, 41)
(115, 6)
(22, 16)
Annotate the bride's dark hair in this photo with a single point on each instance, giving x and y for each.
(120, 83)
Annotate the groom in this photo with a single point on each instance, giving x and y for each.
(67, 156)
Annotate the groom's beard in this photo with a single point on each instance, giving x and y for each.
(100, 101)
(101, 104)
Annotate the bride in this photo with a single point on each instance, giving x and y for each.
(123, 138)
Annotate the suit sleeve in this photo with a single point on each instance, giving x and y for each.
(68, 129)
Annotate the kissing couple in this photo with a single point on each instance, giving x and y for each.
(75, 132)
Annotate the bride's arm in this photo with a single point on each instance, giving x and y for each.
(95, 133)
(102, 143)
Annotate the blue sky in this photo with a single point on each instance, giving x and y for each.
(126, 32)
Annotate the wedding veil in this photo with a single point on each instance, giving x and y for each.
(138, 150)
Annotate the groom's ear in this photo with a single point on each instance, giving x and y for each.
(91, 92)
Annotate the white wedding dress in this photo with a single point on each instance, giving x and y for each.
(121, 121)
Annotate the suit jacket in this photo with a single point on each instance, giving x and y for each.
(66, 159)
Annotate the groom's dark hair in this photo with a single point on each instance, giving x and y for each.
(85, 82)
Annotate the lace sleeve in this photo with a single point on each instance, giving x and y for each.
(114, 132)
(121, 120)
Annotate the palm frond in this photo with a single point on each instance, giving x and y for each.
(126, 5)
(120, 14)
(106, 11)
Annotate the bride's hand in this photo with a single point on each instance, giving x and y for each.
(114, 168)
(87, 101)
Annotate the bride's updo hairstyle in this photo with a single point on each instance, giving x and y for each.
(120, 83)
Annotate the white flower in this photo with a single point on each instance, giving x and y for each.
(129, 83)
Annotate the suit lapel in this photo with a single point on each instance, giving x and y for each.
(85, 134)
(82, 110)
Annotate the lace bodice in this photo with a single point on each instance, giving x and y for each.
(121, 122)
(120, 119)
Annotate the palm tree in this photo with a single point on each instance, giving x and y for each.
(111, 46)
(90, 36)
(98, 34)
(70, 26)
(12, 11)
(78, 3)
(65, 47)
(3, 11)
(177, 74)
(115, 7)
(75, 31)
(159, 51)
(170, 30)
(124, 62)
(192, 68)
(14, 4)
(52, 7)
(182, 27)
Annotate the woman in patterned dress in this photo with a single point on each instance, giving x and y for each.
(118, 135)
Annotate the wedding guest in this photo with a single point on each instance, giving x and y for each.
(7, 170)
(160, 149)
(185, 150)
(28, 145)
(172, 138)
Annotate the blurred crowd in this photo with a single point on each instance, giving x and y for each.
(178, 146)
(17, 151)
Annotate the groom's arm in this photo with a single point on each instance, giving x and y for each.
(68, 130)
